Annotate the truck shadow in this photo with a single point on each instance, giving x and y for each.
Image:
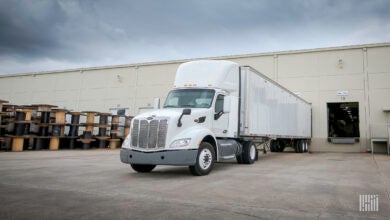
(183, 171)
(226, 166)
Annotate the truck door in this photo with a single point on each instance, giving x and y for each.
(221, 119)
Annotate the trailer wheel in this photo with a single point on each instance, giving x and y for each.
(143, 168)
(299, 146)
(273, 146)
(306, 146)
(281, 145)
(296, 146)
(204, 160)
(249, 152)
(303, 145)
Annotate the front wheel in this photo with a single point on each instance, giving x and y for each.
(204, 160)
(143, 168)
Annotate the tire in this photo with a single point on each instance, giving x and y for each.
(273, 145)
(299, 146)
(142, 168)
(204, 160)
(239, 159)
(249, 152)
(296, 146)
(281, 146)
(306, 146)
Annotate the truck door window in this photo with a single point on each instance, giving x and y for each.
(173, 101)
(219, 103)
(219, 107)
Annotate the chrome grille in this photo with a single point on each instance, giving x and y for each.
(162, 133)
(153, 126)
(134, 133)
(149, 134)
(143, 134)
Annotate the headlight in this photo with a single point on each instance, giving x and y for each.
(126, 142)
(180, 143)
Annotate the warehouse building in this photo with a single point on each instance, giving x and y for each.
(349, 88)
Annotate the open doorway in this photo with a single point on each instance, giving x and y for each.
(343, 120)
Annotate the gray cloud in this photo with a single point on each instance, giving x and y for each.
(48, 34)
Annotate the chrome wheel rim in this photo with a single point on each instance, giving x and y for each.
(252, 152)
(205, 159)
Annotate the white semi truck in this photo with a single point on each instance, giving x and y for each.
(217, 111)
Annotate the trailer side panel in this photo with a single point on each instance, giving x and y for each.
(270, 110)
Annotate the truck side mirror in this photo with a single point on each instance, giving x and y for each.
(186, 111)
(226, 104)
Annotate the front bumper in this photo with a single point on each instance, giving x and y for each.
(171, 157)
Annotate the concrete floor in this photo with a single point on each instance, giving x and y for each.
(95, 185)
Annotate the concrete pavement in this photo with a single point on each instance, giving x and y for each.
(95, 185)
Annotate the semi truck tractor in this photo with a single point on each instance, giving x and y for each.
(217, 111)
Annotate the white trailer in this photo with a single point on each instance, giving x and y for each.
(270, 110)
(217, 111)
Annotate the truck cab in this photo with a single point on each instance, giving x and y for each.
(197, 126)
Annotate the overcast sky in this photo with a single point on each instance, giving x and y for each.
(41, 35)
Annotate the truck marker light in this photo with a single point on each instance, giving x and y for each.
(199, 142)
(190, 85)
(209, 85)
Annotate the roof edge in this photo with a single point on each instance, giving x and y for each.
(348, 47)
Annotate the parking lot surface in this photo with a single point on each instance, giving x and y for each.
(95, 185)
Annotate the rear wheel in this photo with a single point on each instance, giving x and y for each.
(299, 146)
(296, 146)
(239, 159)
(273, 146)
(143, 168)
(305, 146)
(281, 145)
(249, 152)
(204, 160)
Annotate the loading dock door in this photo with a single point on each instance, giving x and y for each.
(343, 120)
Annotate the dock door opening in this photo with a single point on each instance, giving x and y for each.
(343, 120)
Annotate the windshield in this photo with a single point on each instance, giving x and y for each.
(190, 98)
